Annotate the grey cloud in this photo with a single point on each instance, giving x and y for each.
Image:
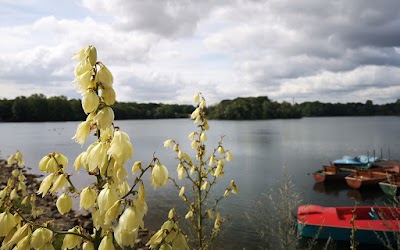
(169, 18)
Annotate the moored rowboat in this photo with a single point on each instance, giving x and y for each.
(335, 222)
(366, 178)
(331, 173)
(391, 185)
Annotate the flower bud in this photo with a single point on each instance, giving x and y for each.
(41, 237)
(104, 76)
(125, 237)
(82, 132)
(182, 191)
(7, 222)
(217, 223)
(131, 219)
(218, 171)
(156, 239)
(21, 233)
(104, 118)
(64, 204)
(108, 95)
(112, 212)
(14, 194)
(82, 67)
(70, 240)
(235, 189)
(121, 148)
(90, 101)
(15, 173)
(92, 55)
(189, 214)
(180, 242)
(107, 243)
(136, 166)
(181, 171)
(195, 113)
(107, 197)
(196, 98)
(61, 160)
(43, 163)
(82, 54)
(191, 135)
(159, 175)
(11, 159)
(212, 160)
(78, 163)
(24, 243)
(84, 81)
(98, 157)
(204, 186)
(221, 150)
(45, 185)
(171, 214)
(226, 193)
(203, 137)
(18, 157)
(229, 156)
(59, 183)
(168, 143)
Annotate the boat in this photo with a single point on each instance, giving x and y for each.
(340, 168)
(364, 178)
(331, 173)
(320, 222)
(391, 185)
(360, 161)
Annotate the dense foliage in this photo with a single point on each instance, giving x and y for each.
(252, 108)
(38, 107)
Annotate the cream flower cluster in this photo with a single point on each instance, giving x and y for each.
(17, 235)
(117, 208)
(169, 236)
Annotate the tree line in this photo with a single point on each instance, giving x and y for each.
(38, 108)
(254, 108)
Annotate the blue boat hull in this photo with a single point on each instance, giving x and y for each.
(343, 234)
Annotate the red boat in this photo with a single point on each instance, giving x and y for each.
(332, 173)
(335, 222)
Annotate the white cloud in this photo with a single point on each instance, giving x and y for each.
(166, 51)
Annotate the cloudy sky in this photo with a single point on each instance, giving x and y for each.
(167, 50)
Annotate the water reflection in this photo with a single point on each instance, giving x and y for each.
(368, 195)
(330, 188)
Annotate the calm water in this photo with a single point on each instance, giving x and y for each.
(260, 148)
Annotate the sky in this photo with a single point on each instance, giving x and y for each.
(165, 51)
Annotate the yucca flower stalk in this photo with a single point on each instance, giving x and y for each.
(117, 207)
(203, 173)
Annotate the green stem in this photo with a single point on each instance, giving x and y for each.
(199, 195)
(52, 229)
(199, 214)
(138, 178)
(97, 239)
(72, 185)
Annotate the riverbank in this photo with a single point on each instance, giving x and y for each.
(50, 212)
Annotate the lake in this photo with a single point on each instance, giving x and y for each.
(260, 149)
